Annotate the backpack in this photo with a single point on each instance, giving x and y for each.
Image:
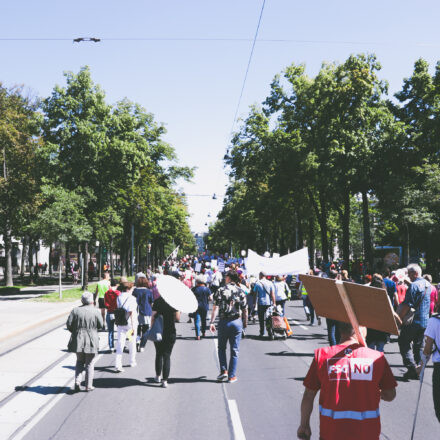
(121, 315)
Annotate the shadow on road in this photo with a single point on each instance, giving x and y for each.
(116, 382)
(290, 353)
(44, 390)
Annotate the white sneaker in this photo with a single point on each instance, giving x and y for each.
(157, 379)
(134, 364)
(164, 384)
(142, 349)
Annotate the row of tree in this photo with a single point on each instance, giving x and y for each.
(332, 160)
(77, 169)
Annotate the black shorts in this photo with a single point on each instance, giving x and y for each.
(101, 303)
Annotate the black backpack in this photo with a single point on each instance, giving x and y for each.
(121, 315)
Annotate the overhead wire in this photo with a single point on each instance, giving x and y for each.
(231, 40)
(248, 65)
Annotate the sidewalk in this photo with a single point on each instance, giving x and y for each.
(19, 315)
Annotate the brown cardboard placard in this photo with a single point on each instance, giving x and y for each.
(371, 305)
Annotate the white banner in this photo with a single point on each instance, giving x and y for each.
(290, 264)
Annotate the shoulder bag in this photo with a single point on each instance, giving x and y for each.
(409, 317)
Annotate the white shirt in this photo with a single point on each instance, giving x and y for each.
(280, 290)
(217, 278)
(433, 331)
(128, 302)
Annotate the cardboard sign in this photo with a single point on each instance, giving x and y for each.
(198, 267)
(350, 302)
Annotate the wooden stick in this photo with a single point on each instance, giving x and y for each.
(350, 312)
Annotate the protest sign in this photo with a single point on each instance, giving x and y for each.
(350, 302)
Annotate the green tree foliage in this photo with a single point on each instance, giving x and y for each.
(325, 153)
(19, 143)
(83, 170)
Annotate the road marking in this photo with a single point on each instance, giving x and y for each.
(236, 421)
(29, 424)
(302, 326)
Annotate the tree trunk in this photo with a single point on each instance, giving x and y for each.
(300, 243)
(8, 257)
(322, 220)
(407, 245)
(99, 260)
(311, 243)
(112, 271)
(31, 260)
(50, 260)
(346, 231)
(85, 285)
(332, 246)
(23, 257)
(67, 259)
(368, 247)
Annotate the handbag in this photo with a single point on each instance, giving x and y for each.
(155, 333)
(409, 317)
(121, 315)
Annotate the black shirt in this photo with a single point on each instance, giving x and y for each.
(168, 313)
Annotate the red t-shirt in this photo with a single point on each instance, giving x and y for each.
(401, 292)
(110, 299)
(350, 379)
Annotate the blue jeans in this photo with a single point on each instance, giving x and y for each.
(377, 345)
(229, 330)
(111, 330)
(332, 332)
(200, 320)
(411, 334)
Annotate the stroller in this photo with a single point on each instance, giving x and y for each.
(275, 324)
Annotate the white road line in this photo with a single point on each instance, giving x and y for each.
(236, 422)
(302, 326)
(28, 425)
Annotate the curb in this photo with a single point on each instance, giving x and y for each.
(34, 324)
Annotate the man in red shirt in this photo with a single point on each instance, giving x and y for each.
(352, 380)
(110, 302)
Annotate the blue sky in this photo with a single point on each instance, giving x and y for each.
(194, 86)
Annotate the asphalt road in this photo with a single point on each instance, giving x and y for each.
(263, 404)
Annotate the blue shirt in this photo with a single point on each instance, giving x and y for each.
(144, 298)
(391, 289)
(264, 288)
(202, 293)
(414, 298)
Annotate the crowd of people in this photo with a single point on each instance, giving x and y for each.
(238, 297)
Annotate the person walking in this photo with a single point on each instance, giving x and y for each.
(230, 304)
(164, 347)
(282, 292)
(203, 295)
(352, 380)
(377, 339)
(83, 323)
(433, 294)
(127, 302)
(418, 298)
(265, 296)
(144, 299)
(432, 342)
(110, 302)
(101, 289)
